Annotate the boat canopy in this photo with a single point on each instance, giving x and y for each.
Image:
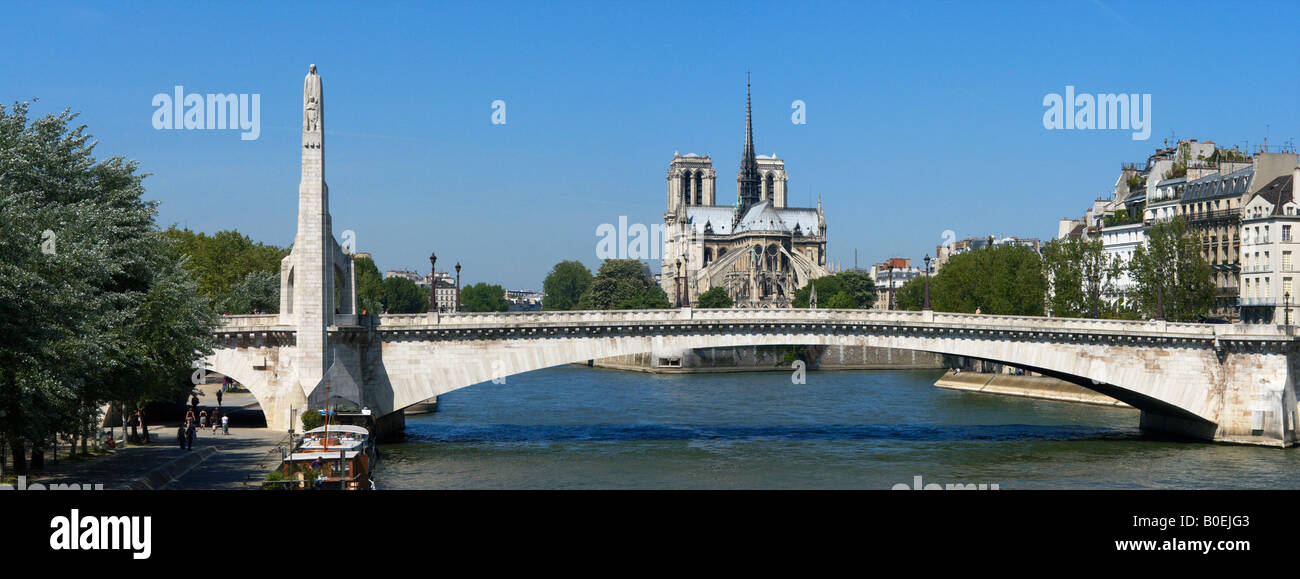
(339, 429)
(321, 456)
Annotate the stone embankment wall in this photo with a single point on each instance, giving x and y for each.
(775, 358)
(1041, 387)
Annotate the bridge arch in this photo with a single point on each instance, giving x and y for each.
(419, 369)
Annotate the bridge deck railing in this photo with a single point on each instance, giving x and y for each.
(737, 315)
(250, 321)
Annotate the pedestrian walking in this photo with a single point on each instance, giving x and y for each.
(203, 419)
(214, 422)
(189, 436)
(225, 424)
(223, 387)
(180, 436)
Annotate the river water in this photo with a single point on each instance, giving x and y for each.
(584, 428)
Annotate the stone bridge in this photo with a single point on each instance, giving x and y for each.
(1214, 382)
(1209, 381)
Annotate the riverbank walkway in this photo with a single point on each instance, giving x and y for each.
(224, 461)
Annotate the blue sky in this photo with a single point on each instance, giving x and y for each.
(920, 117)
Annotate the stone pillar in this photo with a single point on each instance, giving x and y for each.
(313, 246)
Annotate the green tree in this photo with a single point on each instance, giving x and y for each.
(224, 259)
(858, 287)
(483, 297)
(841, 301)
(565, 285)
(402, 296)
(1169, 268)
(714, 298)
(1006, 280)
(370, 285)
(257, 291)
(622, 284)
(96, 305)
(1079, 275)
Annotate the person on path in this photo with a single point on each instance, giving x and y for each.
(225, 424)
(180, 436)
(189, 436)
(214, 422)
(203, 418)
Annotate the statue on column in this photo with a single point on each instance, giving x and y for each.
(312, 102)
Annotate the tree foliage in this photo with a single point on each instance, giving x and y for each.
(96, 304)
(565, 285)
(225, 259)
(858, 289)
(483, 297)
(714, 298)
(1079, 277)
(1170, 268)
(258, 292)
(622, 284)
(370, 285)
(402, 296)
(1006, 280)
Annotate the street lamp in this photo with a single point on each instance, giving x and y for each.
(1160, 294)
(677, 283)
(927, 282)
(433, 283)
(457, 286)
(686, 281)
(890, 304)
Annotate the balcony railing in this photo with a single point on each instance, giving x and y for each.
(1229, 214)
(1247, 302)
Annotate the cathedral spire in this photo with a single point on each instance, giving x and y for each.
(749, 125)
(747, 180)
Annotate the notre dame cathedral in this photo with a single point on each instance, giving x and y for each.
(760, 249)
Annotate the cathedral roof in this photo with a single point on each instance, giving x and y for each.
(761, 217)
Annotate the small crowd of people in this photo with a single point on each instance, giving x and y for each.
(185, 434)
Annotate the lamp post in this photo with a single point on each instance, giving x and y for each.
(1160, 294)
(927, 282)
(457, 286)
(677, 283)
(686, 281)
(433, 283)
(890, 304)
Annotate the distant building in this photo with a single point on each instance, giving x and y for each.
(891, 273)
(1270, 225)
(760, 250)
(945, 252)
(447, 292)
(1206, 185)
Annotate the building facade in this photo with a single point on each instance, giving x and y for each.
(1270, 225)
(759, 249)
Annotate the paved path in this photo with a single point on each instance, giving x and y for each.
(244, 452)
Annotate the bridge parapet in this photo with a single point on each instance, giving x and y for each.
(245, 322)
(738, 315)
